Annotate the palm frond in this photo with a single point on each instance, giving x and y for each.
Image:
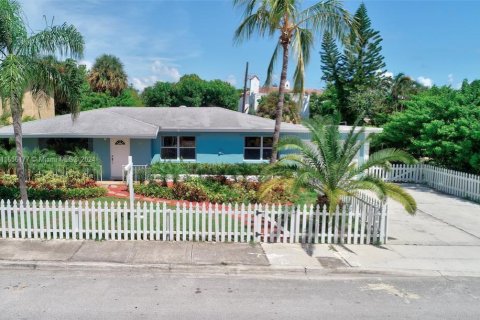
(398, 194)
(271, 65)
(64, 40)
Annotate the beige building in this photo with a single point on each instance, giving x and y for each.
(39, 107)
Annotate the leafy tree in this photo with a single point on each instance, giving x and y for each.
(221, 93)
(159, 95)
(107, 75)
(371, 103)
(189, 91)
(295, 30)
(441, 124)
(24, 64)
(329, 166)
(324, 104)
(267, 105)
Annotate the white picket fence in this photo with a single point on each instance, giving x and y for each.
(452, 182)
(359, 221)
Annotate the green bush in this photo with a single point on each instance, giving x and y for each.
(53, 194)
(8, 180)
(173, 169)
(154, 190)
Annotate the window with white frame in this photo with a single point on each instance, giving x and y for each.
(178, 148)
(258, 148)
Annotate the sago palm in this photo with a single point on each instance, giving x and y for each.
(328, 165)
(296, 30)
(107, 74)
(26, 63)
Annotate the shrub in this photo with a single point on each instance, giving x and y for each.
(48, 180)
(154, 190)
(53, 194)
(8, 180)
(84, 193)
(190, 191)
(77, 179)
(173, 169)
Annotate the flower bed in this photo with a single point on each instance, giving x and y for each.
(219, 189)
(51, 186)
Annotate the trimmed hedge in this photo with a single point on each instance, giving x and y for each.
(53, 194)
(237, 169)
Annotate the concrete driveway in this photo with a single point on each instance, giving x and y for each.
(441, 220)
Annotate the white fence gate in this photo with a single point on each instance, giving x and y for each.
(452, 182)
(356, 222)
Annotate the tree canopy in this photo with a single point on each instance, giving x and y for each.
(191, 91)
(108, 75)
(268, 103)
(442, 124)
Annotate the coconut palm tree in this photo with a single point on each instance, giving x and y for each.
(26, 63)
(296, 29)
(402, 87)
(328, 166)
(107, 74)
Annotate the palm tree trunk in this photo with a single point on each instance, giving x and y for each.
(281, 98)
(17, 131)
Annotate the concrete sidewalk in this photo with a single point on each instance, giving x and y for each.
(442, 239)
(202, 257)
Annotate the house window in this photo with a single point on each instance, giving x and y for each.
(178, 148)
(258, 148)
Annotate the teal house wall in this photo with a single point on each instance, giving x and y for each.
(211, 147)
(141, 151)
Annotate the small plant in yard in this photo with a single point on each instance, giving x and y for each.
(328, 166)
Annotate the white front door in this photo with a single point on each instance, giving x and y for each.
(119, 152)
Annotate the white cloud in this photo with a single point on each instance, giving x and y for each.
(450, 79)
(165, 72)
(427, 82)
(232, 80)
(141, 83)
(161, 72)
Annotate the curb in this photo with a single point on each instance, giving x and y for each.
(227, 270)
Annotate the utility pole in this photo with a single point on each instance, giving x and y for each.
(244, 103)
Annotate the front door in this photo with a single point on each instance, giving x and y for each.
(119, 152)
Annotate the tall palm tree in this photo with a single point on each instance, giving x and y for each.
(402, 87)
(107, 74)
(26, 63)
(295, 29)
(327, 165)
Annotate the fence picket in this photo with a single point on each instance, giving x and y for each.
(29, 226)
(190, 222)
(184, 222)
(249, 223)
(222, 223)
(235, 223)
(217, 230)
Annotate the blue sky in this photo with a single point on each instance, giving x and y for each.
(436, 42)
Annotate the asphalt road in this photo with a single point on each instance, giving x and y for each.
(34, 294)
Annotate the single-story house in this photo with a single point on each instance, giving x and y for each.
(206, 134)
